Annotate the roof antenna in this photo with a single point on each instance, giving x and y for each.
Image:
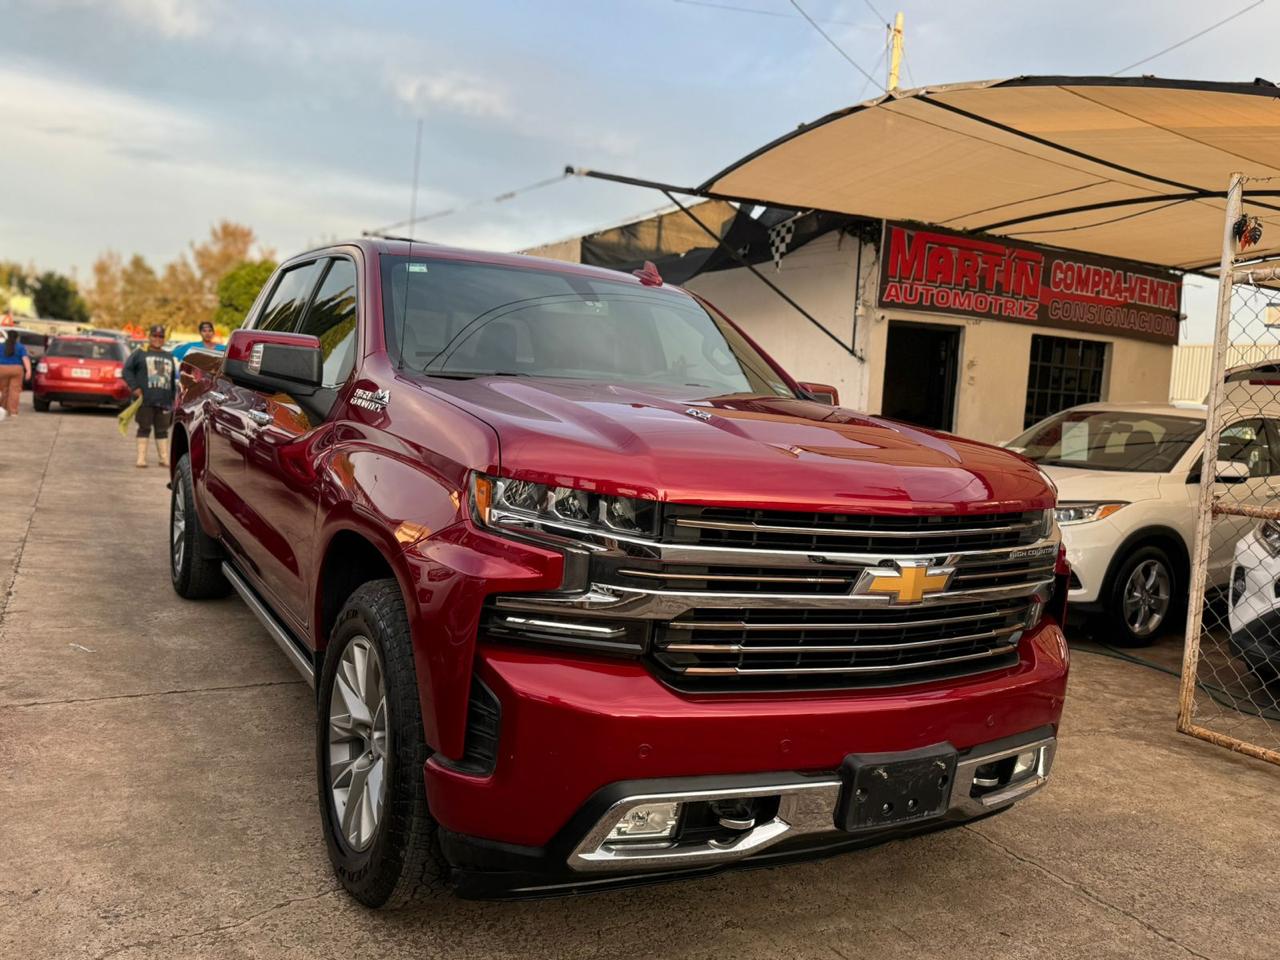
(649, 275)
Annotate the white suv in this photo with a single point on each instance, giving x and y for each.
(1128, 478)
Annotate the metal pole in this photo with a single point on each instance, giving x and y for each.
(895, 58)
(1209, 459)
(742, 261)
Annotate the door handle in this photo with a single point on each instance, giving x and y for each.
(260, 417)
(216, 397)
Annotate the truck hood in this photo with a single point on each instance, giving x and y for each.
(1086, 485)
(740, 451)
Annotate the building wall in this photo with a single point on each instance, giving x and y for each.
(994, 356)
(994, 365)
(822, 277)
(1193, 362)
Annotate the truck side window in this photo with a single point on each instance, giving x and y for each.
(283, 311)
(332, 318)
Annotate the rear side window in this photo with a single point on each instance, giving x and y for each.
(283, 311)
(332, 318)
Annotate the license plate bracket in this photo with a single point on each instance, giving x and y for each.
(893, 789)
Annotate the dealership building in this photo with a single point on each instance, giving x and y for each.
(976, 335)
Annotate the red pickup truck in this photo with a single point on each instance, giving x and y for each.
(592, 592)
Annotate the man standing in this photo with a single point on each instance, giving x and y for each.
(149, 374)
(208, 341)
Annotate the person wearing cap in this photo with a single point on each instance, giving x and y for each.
(150, 375)
(208, 341)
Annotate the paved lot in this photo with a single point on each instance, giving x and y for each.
(157, 794)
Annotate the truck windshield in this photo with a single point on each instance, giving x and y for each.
(1109, 440)
(457, 319)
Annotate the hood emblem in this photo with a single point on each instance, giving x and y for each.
(910, 582)
(375, 400)
(698, 414)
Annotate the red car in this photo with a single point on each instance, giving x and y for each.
(81, 370)
(592, 592)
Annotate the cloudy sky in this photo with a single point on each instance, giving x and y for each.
(135, 124)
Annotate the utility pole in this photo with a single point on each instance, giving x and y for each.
(895, 56)
(413, 197)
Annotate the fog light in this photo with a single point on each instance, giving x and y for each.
(1024, 765)
(646, 821)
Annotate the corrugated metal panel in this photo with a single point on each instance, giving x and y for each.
(1191, 363)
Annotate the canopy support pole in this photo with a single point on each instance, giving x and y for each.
(851, 350)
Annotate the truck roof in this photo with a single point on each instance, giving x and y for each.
(401, 247)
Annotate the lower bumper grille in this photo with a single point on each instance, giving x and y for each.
(720, 649)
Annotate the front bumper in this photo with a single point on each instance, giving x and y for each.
(1254, 601)
(572, 724)
(1090, 548)
(804, 826)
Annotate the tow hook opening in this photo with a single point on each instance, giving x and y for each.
(1006, 772)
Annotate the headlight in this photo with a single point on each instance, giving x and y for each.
(1068, 513)
(522, 505)
(1269, 534)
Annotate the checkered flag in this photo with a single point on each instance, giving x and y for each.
(780, 235)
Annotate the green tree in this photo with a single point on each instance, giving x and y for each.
(238, 289)
(57, 297)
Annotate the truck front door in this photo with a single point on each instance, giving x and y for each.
(286, 440)
(234, 421)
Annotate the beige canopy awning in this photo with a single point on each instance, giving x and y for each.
(1134, 167)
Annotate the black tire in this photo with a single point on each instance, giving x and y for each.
(402, 862)
(39, 404)
(196, 568)
(1117, 623)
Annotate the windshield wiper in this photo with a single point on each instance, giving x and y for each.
(472, 374)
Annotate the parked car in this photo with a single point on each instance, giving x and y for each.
(36, 343)
(1128, 479)
(593, 592)
(81, 370)
(1254, 615)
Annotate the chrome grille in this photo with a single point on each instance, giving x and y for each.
(732, 600)
(715, 649)
(858, 533)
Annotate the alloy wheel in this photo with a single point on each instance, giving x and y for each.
(1146, 597)
(178, 528)
(358, 742)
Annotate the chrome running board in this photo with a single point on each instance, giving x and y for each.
(300, 660)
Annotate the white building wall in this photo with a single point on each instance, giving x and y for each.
(994, 356)
(822, 277)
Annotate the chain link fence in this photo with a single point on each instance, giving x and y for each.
(1230, 691)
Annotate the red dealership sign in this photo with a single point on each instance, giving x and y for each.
(937, 271)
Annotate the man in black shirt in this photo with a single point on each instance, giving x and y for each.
(150, 375)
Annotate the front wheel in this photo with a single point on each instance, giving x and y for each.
(370, 753)
(194, 565)
(1141, 598)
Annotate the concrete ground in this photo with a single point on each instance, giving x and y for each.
(157, 796)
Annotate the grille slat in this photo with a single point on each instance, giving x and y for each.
(772, 529)
(831, 648)
(850, 670)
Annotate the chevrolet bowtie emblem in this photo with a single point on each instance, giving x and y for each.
(909, 583)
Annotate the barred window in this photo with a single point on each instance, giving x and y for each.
(1063, 373)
